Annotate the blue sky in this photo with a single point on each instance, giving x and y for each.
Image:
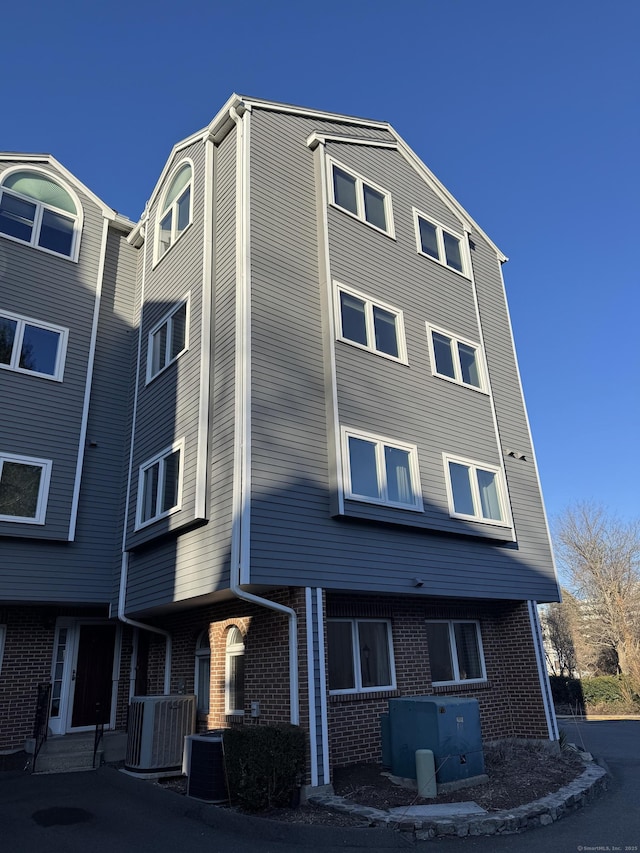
(528, 113)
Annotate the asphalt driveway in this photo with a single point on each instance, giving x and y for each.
(107, 811)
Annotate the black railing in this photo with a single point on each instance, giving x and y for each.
(98, 733)
(41, 722)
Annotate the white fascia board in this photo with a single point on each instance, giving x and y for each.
(454, 206)
(107, 212)
(315, 139)
(310, 113)
(221, 120)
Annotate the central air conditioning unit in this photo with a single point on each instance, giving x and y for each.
(157, 728)
(204, 767)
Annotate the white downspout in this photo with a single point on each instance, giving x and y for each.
(124, 568)
(242, 472)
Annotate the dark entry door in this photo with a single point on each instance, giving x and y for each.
(93, 675)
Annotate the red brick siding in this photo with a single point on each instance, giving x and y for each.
(510, 703)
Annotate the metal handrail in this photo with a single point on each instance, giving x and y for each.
(41, 721)
(99, 733)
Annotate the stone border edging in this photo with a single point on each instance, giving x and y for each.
(546, 810)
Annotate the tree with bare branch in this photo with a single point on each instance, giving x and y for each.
(600, 557)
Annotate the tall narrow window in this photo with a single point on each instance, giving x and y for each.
(160, 485)
(234, 673)
(175, 212)
(24, 485)
(203, 672)
(37, 210)
(168, 339)
(361, 198)
(476, 491)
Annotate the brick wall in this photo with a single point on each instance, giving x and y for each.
(510, 701)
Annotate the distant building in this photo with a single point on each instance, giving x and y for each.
(267, 445)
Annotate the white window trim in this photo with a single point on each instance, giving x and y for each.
(451, 623)
(480, 360)
(231, 650)
(14, 364)
(360, 181)
(355, 647)
(177, 445)
(501, 488)
(43, 490)
(381, 442)
(186, 300)
(464, 245)
(40, 207)
(162, 209)
(370, 303)
(200, 653)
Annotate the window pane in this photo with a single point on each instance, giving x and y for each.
(384, 324)
(164, 235)
(36, 185)
(56, 232)
(171, 481)
(39, 350)
(184, 210)
(375, 666)
(428, 238)
(19, 488)
(374, 207)
(235, 686)
(159, 349)
(443, 355)
(461, 488)
(439, 651)
(203, 663)
(489, 500)
(16, 217)
(452, 251)
(469, 365)
(340, 656)
(150, 492)
(7, 336)
(354, 325)
(468, 651)
(364, 475)
(398, 475)
(178, 330)
(344, 190)
(183, 175)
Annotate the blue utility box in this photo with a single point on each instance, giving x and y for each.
(448, 726)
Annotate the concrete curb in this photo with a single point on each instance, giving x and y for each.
(575, 795)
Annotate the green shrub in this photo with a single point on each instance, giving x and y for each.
(567, 694)
(605, 689)
(264, 764)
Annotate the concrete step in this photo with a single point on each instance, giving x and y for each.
(68, 754)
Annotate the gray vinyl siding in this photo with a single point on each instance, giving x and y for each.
(194, 563)
(45, 419)
(167, 407)
(294, 539)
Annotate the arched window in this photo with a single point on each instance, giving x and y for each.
(36, 210)
(203, 672)
(174, 213)
(234, 673)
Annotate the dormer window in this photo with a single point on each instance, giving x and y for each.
(175, 211)
(35, 209)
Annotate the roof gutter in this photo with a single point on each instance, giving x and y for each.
(240, 558)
